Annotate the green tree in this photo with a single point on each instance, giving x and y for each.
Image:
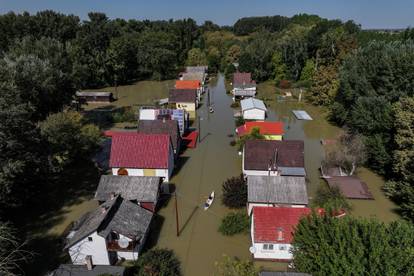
(196, 57)
(280, 69)
(12, 254)
(158, 262)
(325, 245)
(253, 135)
(235, 192)
(324, 86)
(229, 266)
(68, 138)
(308, 71)
(331, 198)
(234, 223)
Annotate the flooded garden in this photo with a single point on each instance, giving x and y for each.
(199, 245)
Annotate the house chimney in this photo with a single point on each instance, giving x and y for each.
(112, 196)
(163, 119)
(89, 264)
(279, 233)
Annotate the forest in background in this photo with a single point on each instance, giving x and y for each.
(365, 79)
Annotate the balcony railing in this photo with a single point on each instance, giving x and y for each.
(114, 246)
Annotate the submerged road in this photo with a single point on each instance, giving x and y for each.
(201, 171)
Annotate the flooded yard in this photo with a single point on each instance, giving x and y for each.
(203, 169)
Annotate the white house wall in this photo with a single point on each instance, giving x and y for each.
(96, 248)
(254, 114)
(140, 172)
(275, 254)
(147, 114)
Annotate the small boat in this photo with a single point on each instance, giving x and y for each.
(210, 109)
(209, 201)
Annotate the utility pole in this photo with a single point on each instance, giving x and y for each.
(176, 214)
(208, 97)
(199, 129)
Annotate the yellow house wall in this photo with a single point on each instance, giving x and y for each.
(189, 107)
(274, 137)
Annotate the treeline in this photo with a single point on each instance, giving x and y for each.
(107, 52)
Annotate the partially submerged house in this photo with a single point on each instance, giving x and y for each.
(142, 190)
(185, 99)
(163, 126)
(269, 157)
(94, 97)
(272, 230)
(190, 84)
(179, 115)
(243, 85)
(253, 109)
(270, 130)
(139, 154)
(276, 191)
(116, 230)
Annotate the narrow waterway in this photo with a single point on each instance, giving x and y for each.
(205, 168)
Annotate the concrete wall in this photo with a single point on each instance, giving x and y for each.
(96, 248)
(254, 114)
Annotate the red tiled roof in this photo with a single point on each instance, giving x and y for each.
(266, 128)
(137, 150)
(242, 78)
(187, 84)
(276, 224)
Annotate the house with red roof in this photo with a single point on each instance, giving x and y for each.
(270, 130)
(272, 231)
(139, 154)
(190, 84)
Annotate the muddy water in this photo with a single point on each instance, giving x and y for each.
(205, 168)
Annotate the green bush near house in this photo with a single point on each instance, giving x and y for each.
(158, 262)
(234, 223)
(124, 114)
(240, 121)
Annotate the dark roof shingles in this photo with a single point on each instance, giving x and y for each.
(182, 96)
(161, 127)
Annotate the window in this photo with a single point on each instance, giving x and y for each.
(267, 246)
(122, 171)
(282, 247)
(90, 239)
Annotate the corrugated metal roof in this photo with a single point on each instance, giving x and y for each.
(244, 92)
(252, 103)
(93, 94)
(277, 189)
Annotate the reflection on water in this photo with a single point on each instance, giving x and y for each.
(205, 168)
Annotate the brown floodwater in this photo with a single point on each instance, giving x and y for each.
(204, 169)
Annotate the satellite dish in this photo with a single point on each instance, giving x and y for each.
(123, 243)
(252, 249)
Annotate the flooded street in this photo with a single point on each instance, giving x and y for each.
(204, 169)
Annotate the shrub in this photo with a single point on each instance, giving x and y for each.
(232, 143)
(284, 84)
(234, 267)
(331, 198)
(240, 121)
(234, 223)
(158, 262)
(124, 114)
(235, 105)
(235, 192)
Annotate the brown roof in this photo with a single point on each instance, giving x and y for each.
(182, 96)
(258, 154)
(161, 127)
(242, 78)
(351, 187)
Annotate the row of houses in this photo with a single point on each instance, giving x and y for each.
(141, 162)
(275, 172)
